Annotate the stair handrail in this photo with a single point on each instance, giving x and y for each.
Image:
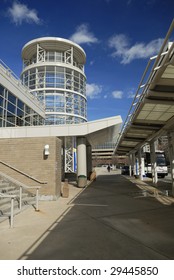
(21, 186)
(23, 173)
(12, 197)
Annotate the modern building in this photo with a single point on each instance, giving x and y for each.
(53, 70)
(18, 107)
(44, 131)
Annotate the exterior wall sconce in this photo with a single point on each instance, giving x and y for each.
(46, 150)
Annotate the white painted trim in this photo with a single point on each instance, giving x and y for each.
(109, 128)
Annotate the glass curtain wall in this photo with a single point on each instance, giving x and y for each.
(13, 112)
(54, 72)
(71, 100)
(62, 88)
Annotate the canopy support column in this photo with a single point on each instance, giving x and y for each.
(171, 153)
(153, 164)
(89, 161)
(81, 162)
(140, 165)
(134, 163)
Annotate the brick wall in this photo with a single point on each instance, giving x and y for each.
(27, 155)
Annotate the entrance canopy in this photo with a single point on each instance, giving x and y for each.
(152, 110)
(96, 132)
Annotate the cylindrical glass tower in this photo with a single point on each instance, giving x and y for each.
(53, 70)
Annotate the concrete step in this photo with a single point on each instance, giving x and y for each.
(3, 181)
(25, 200)
(13, 191)
(4, 185)
(7, 187)
(7, 214)
(5, 208)
(4, 201)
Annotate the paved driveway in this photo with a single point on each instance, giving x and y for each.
(109, 220)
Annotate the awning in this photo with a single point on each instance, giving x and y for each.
(96, 132)
(152, 110)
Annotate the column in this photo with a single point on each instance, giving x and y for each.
(134, 163)
(136, 166)
(130, 164)
(89, 160)
(140, 164)
(171, 153)
(81, 162)
(153, 164)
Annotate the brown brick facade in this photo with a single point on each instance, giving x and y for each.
(27, 155)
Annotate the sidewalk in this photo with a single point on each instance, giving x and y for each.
(110, 219)
(31, 227)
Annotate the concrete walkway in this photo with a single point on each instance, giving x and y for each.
(112, 218)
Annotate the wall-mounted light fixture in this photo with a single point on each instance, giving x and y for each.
(46, 150)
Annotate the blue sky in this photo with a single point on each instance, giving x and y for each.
(118, 36)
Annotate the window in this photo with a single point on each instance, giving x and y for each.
(58, 57)
(49, 103)
(1, 90)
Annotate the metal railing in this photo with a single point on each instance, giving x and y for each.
(7, 71)
(12, 197)
(164, 57)
(29, 188)
(21, 186)
(23, 173)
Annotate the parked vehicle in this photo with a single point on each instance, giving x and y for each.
(125, 170)
(161, 167)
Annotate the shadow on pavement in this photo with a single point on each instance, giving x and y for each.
(109, 221)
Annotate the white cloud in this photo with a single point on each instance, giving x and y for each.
(117, 94)
(128, 53)
(83, 35)
(131, 93)
(21, 13)
(93, 90)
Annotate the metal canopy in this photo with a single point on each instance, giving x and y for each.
(152, 111)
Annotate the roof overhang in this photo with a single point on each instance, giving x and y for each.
(53, 43)
(96, 132)
(152, 112)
